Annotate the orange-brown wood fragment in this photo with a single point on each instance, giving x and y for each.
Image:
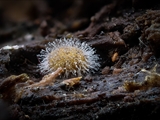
(48, 79)
(71, 82)
(115, 57)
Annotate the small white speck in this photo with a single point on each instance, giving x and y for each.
(12, 47)
(28, 37)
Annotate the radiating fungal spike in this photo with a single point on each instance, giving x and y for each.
(74, 57)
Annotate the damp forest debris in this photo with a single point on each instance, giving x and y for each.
(152, 79)
(113, 29)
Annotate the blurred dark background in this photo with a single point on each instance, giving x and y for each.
(24, 10)
(25, 20)
(22, 20)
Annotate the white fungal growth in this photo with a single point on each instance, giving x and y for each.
(74, 57)
(12, 47)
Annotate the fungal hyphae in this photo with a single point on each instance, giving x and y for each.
(75, 57)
